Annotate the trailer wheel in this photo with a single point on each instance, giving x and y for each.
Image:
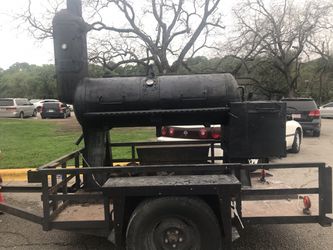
(173, 223)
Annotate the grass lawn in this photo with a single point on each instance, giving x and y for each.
(34, 142)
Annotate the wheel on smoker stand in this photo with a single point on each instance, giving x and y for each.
(173, 223)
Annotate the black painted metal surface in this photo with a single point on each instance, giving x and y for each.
(186, 182)
(70, 49)
(256, 130)
(167, 99)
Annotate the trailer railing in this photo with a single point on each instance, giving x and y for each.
(323, 190)
(63, 184)
(212, 144)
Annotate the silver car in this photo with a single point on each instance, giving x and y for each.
(326, 111)
(16, 107)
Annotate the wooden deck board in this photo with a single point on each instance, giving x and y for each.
(82, 212)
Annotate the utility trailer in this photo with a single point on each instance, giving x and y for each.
(178, 199)
(172, 195)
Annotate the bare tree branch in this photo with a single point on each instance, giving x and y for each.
(280, 31)
(179, 27)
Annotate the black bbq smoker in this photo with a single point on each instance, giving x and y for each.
(164, 202)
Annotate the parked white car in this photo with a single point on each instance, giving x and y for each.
(294, 135)
(326, 111)
(39, 103)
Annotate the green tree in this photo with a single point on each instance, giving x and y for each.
(29, 81)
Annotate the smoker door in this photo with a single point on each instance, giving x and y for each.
(257, 130)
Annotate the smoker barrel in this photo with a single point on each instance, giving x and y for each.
(135, 101)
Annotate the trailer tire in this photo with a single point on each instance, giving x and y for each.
(173, 223)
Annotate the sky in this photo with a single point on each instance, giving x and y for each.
(16, 44)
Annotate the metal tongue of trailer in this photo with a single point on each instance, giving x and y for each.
(163, 202)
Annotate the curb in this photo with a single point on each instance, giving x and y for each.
(19, 174)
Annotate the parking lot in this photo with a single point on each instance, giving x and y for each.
(20, 234)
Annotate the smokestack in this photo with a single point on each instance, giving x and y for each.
(70, 49)
(75, 7)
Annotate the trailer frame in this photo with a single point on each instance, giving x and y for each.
(58, 193)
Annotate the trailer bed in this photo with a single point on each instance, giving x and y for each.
(82, 212)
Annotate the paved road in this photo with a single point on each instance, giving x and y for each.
(19, 234)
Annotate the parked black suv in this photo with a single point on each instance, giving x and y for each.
(306, 112)
(55, 110)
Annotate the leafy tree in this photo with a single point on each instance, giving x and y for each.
(29, 81)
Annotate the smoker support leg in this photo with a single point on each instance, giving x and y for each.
(119, 208)
(108, 151)
(94, 154)
(245, 177)
(225, 202)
